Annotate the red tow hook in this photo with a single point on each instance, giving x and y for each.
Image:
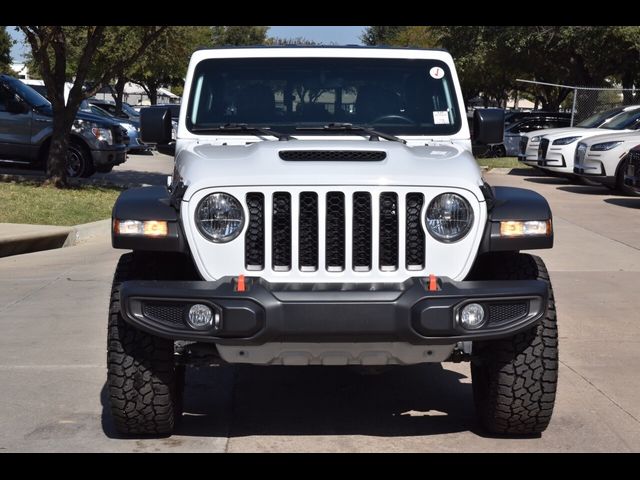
(241, 286)
(433, 283)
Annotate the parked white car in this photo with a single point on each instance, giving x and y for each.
(556, 151)
(603, 158)
(530, 141)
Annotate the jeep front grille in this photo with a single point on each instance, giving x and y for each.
(334, 231)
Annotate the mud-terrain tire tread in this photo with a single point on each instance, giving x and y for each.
(515, 379)
(141, 373)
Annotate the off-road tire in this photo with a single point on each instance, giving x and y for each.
(145, 386)
(514, 379)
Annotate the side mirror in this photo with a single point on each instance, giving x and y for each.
(155, 126)
(488, 126)
(16, 107)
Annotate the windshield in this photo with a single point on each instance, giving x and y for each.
(624, 120)
(397, 96)
(129, 110)
(28, 94)
(599, 118)
(99, 111)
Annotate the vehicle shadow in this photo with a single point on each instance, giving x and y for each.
(526, 172)
(131, 178)
(587, 190)
(632, 202)
(547, 180)
(238, 401)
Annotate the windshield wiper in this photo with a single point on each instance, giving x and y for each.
(243, 127)
(374, 135)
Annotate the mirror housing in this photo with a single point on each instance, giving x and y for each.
(488, 126)
(155, 126)
(16, 106)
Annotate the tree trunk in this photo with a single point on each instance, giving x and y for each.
(57, 159)
(119, 93)
(153, 94)
(627, 82)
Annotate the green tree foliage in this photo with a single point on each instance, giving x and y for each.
(166, 63)
(490, 58)
(380, 35)
(238, 35)
(79, 54)
(5, 51)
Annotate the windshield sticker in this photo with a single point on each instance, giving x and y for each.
(436, 72)
(441, 118)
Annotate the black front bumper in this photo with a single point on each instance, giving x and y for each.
(378, 312)
(113, 156)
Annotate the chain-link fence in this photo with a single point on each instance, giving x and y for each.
(582, 102)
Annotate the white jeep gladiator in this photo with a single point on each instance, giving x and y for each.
(325, 209)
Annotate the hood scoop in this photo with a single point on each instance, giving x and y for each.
(333, 155)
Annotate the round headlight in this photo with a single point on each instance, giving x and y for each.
(220, 217)
(449, 217)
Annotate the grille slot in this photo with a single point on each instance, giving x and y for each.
(415, 239)
(362, 231)
(281, 241)
(332, 155)
(254, 238)
(308, 232)
(542, 149)
(388, 231)
(164, 312)
(335, 237)
(503, 312)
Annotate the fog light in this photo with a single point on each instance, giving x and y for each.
(201, 317)
(472, 316)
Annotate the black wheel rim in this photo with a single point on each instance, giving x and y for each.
(74, 162)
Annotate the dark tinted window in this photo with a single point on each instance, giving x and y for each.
(599, 118)
(5, 96)
(626, 120)
(27, 93)
(394, 95)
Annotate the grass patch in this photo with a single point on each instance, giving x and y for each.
(503, 162)
(45, 205)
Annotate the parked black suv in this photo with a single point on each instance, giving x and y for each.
(26, 125)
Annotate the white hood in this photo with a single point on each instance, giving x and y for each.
(551, 131)
(582, 133)
(259, 164)
(622, 136)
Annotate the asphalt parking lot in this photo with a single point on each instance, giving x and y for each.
(53, 310)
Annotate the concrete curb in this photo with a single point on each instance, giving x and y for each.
(35, 238)
(82, 233)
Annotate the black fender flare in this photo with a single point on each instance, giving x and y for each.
(519, 204)
(148, 203)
